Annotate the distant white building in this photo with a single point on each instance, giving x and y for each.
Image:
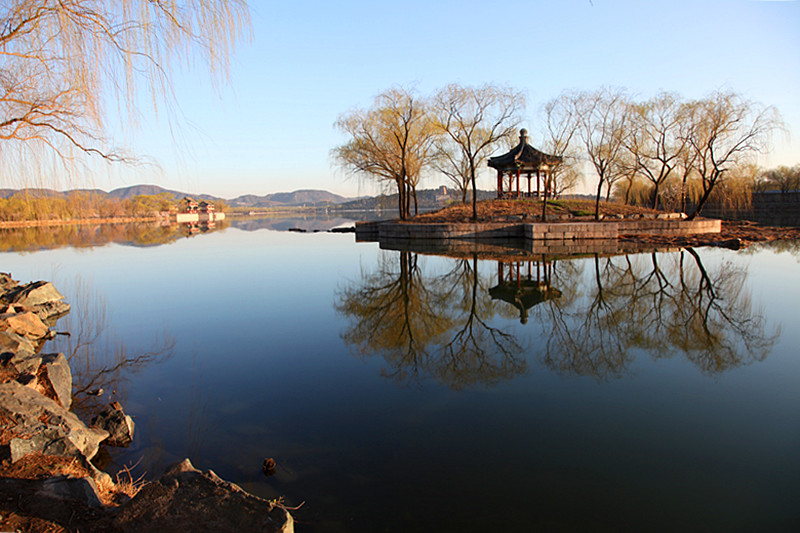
(193, 211)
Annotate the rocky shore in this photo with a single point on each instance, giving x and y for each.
(47, 479)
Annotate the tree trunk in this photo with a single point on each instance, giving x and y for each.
(683, 194)
(597, 200)
(628, 192)
(474, 195)
(701, 202)
(407, 203)
(400, 202)
(654, 200)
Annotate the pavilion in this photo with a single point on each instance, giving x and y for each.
(523, 160)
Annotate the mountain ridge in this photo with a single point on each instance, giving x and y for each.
(293, 198)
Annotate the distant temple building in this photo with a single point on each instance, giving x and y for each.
(194, 211)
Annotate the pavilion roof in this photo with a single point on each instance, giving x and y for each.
(523, 156)
(524, 295)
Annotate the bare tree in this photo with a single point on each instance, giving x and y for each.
(449, 160)
(472, 120)
(655, 144)
(64, 62)
(559, 136)
(783, 178)
(391, 141)
(602, 122)
(725, 130)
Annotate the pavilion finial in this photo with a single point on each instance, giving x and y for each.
(523, 136)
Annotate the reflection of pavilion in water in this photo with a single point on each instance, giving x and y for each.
(524, 284)
(192, 228)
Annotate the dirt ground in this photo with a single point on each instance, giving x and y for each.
(733, 234)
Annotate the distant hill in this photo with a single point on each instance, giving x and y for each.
(46, 193)
(125, 193)
(297, 198)
(301, 197)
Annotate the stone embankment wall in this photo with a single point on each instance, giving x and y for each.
(536, 231)
(772, 208)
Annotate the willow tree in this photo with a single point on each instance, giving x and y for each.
(389, 142)
(65, 65)
(560, 125)
(726, 130)
(655, 144)
(471, 120)
(602, 121)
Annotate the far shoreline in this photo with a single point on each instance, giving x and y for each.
(14, 224)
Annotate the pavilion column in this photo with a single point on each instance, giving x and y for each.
(517, 183)
(529, 184)
(537, 182)
(499, 183)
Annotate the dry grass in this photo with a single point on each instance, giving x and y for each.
(126, 484)
(503, 210)
(39, 466)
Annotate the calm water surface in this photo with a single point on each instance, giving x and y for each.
(400, 391)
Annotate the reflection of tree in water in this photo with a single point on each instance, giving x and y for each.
(435, 326)
(476, 352)
(594, 315)
(396, 315)
(676, 307)
(780, 246)
(98, 359)
(717, 329)
(91, 235)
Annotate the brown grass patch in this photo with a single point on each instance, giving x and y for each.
(504, 210)
(39, 466)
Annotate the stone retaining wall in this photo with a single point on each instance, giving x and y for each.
(536, 231)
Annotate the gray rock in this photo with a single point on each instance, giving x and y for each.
(200, 502)
(6, 283)
(36, 293)
(49, 312)
(59, 376)
(47, 426)
(82, 490)
(11, 342)
(47, 373)
(46, 441)
(26, 324)
(25, 361)
(118, 425)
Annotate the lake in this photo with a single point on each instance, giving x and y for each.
(484, 389)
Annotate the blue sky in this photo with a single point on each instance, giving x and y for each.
(270, 129)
